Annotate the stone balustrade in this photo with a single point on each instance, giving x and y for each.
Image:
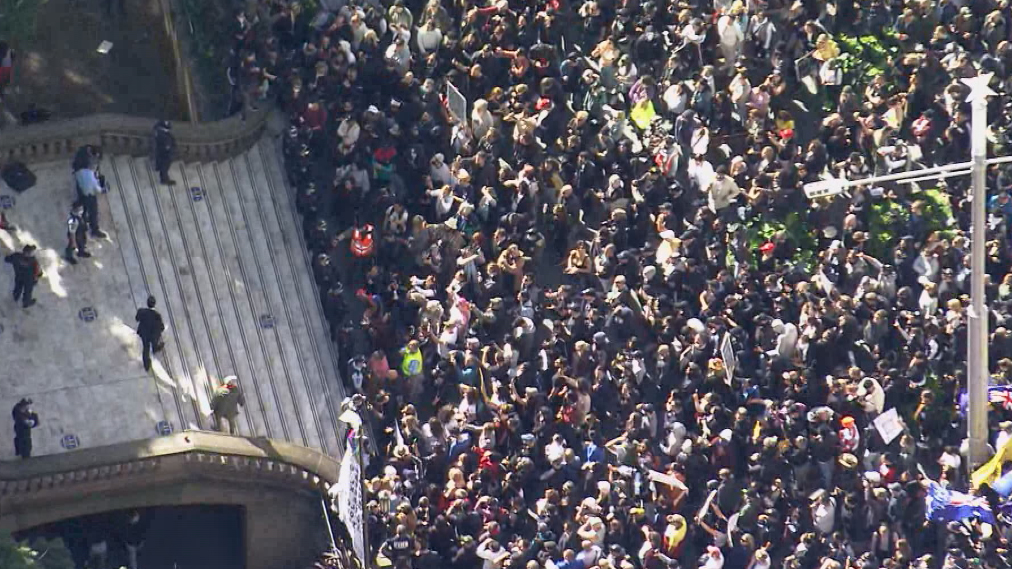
(122, 134)
(278, 485)
(175, 458)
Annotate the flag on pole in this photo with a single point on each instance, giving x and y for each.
(947, 506)
(349, 495)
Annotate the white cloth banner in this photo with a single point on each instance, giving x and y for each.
(349, 497)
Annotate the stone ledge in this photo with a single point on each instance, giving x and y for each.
(123, 134)
(236, 456)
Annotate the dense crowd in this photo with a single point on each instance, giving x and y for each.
(591, 314)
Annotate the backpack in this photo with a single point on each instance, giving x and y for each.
(17, 176)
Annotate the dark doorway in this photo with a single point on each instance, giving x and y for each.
(172, 537)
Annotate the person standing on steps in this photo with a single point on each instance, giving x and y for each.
(225, 405)
(25, 419)
(77, 234)
(165, 151)
(149, 327)
(26, 273)
(5, 224)
(88, 187)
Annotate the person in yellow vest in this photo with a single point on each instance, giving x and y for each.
(412, 368)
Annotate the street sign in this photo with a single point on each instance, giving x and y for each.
(823, 188)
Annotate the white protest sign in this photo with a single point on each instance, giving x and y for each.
(727, 354)
(889, 425)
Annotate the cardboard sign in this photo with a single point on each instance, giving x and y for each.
(667, 479)
(889, 425)
(727, 354)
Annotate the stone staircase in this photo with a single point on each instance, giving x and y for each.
(222, 252)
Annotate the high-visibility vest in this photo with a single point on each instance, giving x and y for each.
(411, 365)
(361, 241)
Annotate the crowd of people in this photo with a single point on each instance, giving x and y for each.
(587, 306)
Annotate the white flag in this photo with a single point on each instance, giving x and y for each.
(349, 497)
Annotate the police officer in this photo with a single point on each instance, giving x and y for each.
(165, 150)
(88, 187)
(26, 273)
(335, 309)
(149, 327)
(25, 419)
(77, 234)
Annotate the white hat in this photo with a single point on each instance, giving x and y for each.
(667, 234)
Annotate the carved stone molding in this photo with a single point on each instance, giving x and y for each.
(122, 134)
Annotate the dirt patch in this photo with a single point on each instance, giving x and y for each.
(59, 69)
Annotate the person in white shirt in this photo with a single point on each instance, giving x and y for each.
(926, 266)
(700, 172)
(481, 119)
(399, 54)
(428, 38)
(731, 37)
(722, 190)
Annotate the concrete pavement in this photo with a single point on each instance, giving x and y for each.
(222, 253)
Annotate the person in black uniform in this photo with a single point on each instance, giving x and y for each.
(149, 328)
(25, 419)
(77, 234)
(165, 150)
(26, 274)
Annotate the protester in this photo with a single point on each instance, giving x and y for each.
(597, 322)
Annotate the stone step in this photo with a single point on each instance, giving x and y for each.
(166, 215)
(258, 258)
(284, 197)
(323, 380)
(259, 387)
(159, 273)
(307, 381)
(128, 232)
(213, 282)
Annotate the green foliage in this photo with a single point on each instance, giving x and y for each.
(209, 43)
(19, 21)
(888, 220)
(799, 235)
(887, 223)
(937, 209)
(862, 58)
(40, 554)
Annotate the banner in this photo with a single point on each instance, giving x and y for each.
(349, 496)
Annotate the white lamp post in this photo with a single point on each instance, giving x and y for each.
(976, 357)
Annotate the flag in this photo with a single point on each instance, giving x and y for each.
(991, 470)
(1003, 486)
(1001, 394)
(349, 495)
(642, 113)
(947, 506)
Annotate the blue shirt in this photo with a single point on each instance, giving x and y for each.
(87, 182)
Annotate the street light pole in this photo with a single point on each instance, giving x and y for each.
(976, 357)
